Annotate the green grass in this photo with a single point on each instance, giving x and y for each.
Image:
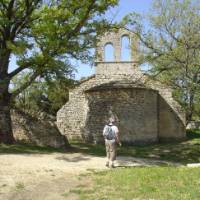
(20, 186)
(161, 183)
(184, 152)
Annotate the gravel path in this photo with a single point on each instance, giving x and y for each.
(51, 176)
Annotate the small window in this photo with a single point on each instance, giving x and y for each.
(125, 48)
(109, 52)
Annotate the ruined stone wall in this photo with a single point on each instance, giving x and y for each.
(32, 130)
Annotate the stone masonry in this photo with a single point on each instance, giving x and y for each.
(144, 109)
(40, 130)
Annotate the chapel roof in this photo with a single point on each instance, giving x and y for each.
(122, 84)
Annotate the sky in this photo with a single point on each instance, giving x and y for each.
(125, 7)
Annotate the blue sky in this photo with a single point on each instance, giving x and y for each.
(124, 7)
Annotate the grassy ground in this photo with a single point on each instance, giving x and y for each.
(184, 152)
(161, 183)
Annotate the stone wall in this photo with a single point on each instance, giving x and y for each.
(117, 70)
(134, 108)
(32, 130)
(114, 38)
(86, 100)
(73, 121)
(170, 125)
(71, 118)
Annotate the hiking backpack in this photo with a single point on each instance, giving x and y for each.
(109, 133)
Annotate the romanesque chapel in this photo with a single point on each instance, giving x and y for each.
(144, 109)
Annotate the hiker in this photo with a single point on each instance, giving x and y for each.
(111, 136)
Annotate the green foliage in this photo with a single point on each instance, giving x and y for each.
(171, 46)
(46, 35)
(44, 95)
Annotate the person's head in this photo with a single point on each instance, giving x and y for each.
(111, 120)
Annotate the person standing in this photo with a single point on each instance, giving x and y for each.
(111, 136)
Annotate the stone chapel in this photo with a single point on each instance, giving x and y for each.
(144, 109)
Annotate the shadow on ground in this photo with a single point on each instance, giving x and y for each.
(184, 152)
(73, 159)
(21, 148)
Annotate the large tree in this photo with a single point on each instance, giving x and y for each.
(44, 36)
(170, 39)
(47, 94)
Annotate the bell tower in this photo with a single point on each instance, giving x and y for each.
(110, 59)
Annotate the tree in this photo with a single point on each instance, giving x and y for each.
(43, 95)
(171, 46)
(44, 35)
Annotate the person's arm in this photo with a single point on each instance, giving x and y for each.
(117, 137)
(104, 130)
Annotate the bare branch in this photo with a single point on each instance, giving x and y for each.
(16, 71)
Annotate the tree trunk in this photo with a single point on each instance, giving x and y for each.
(6, 134)
(189, 114)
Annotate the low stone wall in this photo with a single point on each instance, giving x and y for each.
(41, 132)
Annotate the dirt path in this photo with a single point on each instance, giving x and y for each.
(50, 176)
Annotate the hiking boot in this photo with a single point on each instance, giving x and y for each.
(112, 166)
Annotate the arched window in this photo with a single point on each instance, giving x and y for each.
(125, 48)
(109, 52)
